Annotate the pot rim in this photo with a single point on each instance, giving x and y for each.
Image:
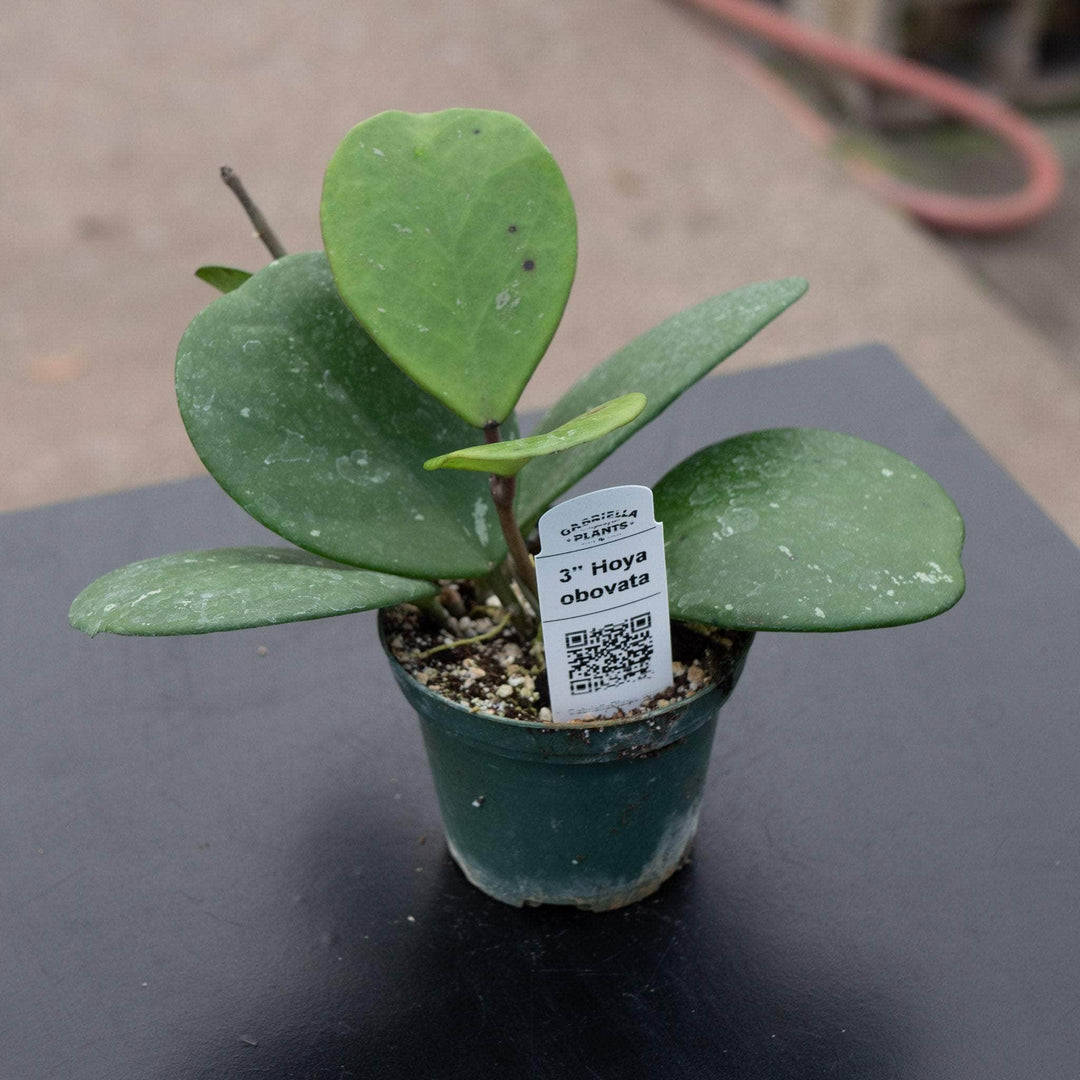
(565, 725)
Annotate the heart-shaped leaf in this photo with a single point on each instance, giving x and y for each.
(801, 529)
(302, 420)
(661, 364)
(507, 458)
(198, 592)
(223, 278)
(452, 238)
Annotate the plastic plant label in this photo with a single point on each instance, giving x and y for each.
(603, 603)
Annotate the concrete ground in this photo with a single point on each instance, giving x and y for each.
(688, 182)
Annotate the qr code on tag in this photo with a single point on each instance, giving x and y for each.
(610, 655)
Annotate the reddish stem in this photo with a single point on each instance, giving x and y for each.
(502, 495)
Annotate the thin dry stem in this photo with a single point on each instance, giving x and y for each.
(262, 227)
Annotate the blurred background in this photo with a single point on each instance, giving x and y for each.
(699, 157)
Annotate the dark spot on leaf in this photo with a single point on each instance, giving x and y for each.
(528, 264)
(476, 131)
(511, 228)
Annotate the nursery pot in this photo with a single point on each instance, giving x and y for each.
(593, 814)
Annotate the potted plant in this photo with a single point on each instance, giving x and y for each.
(340, 398)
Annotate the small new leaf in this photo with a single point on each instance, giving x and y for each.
(223, 278)
(507, 458)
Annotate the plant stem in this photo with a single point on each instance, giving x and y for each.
(450, 598)
(432, 607)
(502, 494)
(500, 586)
(262, 228)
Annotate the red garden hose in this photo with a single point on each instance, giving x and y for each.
(955, 213)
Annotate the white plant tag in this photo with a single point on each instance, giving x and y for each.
(603, 602)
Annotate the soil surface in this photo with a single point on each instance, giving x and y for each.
(482, 662)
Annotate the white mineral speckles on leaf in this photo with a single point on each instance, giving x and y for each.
(502, 299)
(786, 551)
(819, 613)
(737, 520)
(293, 449)
(480, 525)
(886, 472)
(333, 388)
(355, 469)
(377, 152)
(932, 579)
(245, 412)
(315, 532)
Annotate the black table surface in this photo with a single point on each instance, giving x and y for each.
(221, 856)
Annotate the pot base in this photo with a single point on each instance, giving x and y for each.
(590, 895)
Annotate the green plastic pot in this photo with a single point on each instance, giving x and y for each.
(596, 815)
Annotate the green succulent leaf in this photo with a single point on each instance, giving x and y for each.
(802, 529)
(507, 458)
(453, 240)
(198, 592)
(313, 431)
(223, 278)
(661, 364)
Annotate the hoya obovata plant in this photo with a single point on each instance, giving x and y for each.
(359, 402)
